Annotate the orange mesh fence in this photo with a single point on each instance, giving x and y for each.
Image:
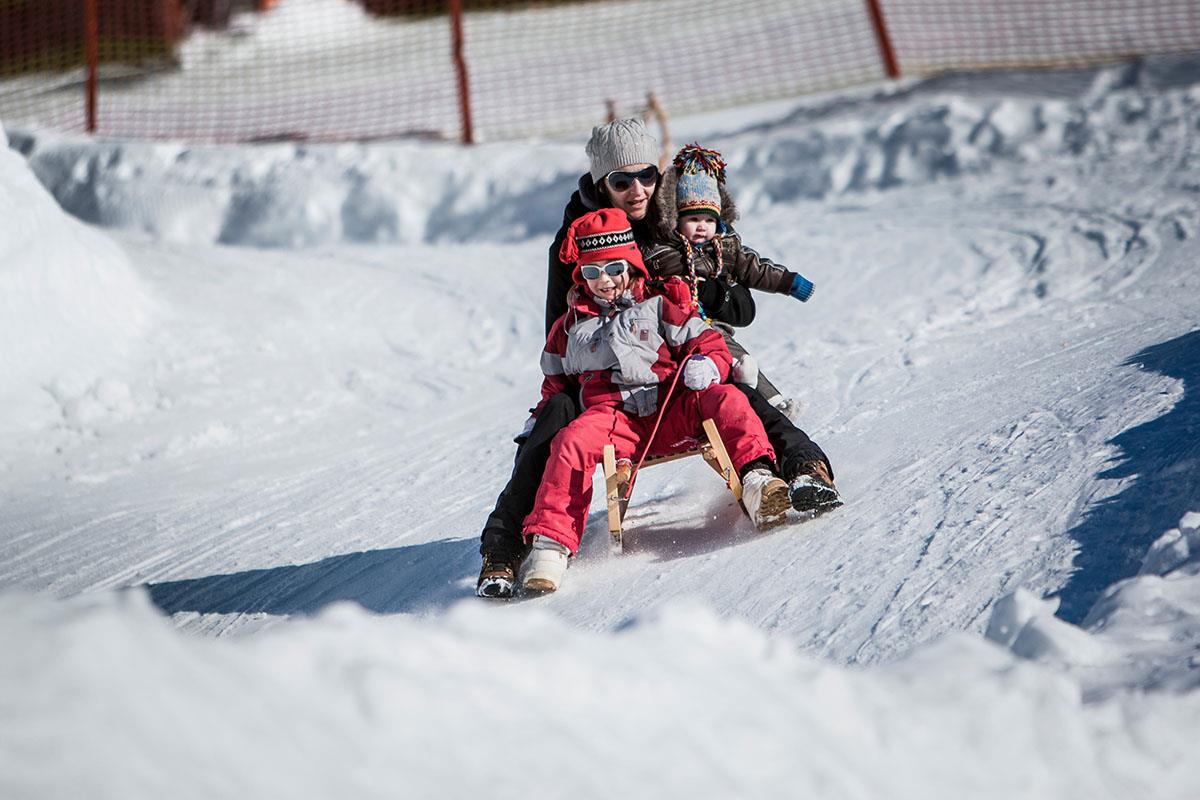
(331, 70)
(935, 37)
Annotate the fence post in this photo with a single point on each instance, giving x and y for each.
(460, 67)
(91, 52)
(883, 39)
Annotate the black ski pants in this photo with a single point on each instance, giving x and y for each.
(791, 445)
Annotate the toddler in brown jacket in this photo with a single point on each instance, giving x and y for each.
(696, 240)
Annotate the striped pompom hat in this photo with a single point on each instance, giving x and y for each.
(701, 172)
(602, 235)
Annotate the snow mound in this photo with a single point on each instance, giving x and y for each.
(1177, 550)
(299, 196)
(1140, 634)
(70, 302)
(602, 715)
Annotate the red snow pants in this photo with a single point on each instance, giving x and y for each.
(561, 506)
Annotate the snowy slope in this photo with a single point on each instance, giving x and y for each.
(1000, 360)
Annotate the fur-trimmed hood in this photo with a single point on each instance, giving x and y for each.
(664, 201)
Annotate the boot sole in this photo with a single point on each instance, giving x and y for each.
(538, 586)
(815, 498)
(772, 512)
(495, 588)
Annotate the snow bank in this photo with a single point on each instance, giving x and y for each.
(304, 195)
(683, 704)
(1141, 634)
(70, 303)
(296, 196)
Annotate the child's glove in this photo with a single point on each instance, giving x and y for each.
(700, 372)
(802, 288)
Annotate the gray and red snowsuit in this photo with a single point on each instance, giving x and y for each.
(622, 358)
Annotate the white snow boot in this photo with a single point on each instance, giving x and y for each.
(545, 566)
(765, 497)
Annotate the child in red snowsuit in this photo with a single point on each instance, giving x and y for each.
(621, 346)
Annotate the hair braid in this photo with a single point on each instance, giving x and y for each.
(690, 277)
(717, 242)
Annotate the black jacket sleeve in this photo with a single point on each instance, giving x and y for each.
(558, 278)
(726, 302)
(558, 282)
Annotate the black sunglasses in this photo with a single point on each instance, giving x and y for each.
(592, 272)
(622, 182)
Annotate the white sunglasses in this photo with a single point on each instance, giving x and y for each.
(591, 272)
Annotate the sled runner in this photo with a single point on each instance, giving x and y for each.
(619, 473)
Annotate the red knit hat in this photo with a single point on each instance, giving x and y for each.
(600, 235)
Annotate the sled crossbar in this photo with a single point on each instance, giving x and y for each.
(618, 473)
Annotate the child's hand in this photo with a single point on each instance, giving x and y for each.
(700, 372)
(802, 288)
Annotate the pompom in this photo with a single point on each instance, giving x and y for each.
(693, 158)
(568, 253)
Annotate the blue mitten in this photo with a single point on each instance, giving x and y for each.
(802, 288)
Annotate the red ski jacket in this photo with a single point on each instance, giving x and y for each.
(618, 354)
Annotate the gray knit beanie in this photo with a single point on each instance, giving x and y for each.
(618, 144)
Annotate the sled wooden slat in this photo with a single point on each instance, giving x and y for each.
(617, 474)
(612, 492)
(723, 463)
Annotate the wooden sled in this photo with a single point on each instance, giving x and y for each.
(617, 475)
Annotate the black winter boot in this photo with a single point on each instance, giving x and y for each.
(498, 576)
(811, 489)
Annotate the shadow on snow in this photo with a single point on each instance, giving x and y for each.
(1163, 457)
(413, 578)
(395, 580)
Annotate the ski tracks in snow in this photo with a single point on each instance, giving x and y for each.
(978, 513)
(962, 525)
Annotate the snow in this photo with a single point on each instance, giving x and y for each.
(1142, 631)
(485, 702)
(258, 409)
(70, 302)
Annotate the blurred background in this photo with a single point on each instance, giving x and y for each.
(479, 70)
